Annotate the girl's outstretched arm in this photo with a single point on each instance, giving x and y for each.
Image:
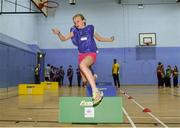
(61, 36)
(103, 39)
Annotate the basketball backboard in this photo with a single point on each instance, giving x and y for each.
(44, 10)
(147, 39)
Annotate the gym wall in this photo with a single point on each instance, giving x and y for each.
(17, 62)
(125, 21)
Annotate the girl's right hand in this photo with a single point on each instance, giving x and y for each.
(55, 31)
(112, 38)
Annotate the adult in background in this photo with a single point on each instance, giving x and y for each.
(175, 76)
(168, 77)
(78, 73)
(115, 73)
(61, 75)
(47, 72)
(70, 75)
(159, 74)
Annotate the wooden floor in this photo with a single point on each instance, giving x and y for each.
(42, 111)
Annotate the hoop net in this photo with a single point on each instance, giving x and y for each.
(51, 12)
(51, 7)
(148, 43)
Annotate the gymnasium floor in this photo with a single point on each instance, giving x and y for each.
(42, 111)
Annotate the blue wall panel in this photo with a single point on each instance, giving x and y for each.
(3, 65)
(137, 65)
(16, 65)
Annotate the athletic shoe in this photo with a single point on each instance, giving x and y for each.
(97, 98)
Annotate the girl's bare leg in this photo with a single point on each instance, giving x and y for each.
(84, 66)
(84, 80)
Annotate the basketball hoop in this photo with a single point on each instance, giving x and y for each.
(50, 5)
(147, 43)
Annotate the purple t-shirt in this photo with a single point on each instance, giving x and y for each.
(84, 39)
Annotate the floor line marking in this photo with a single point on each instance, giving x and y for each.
(144, 108)
(129, 118)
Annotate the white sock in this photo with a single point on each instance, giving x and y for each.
(94, 90)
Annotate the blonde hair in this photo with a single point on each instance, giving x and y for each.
(81, 16)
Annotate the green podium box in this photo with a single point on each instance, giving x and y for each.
(80, 110)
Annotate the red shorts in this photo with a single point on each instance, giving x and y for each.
(81, 56)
